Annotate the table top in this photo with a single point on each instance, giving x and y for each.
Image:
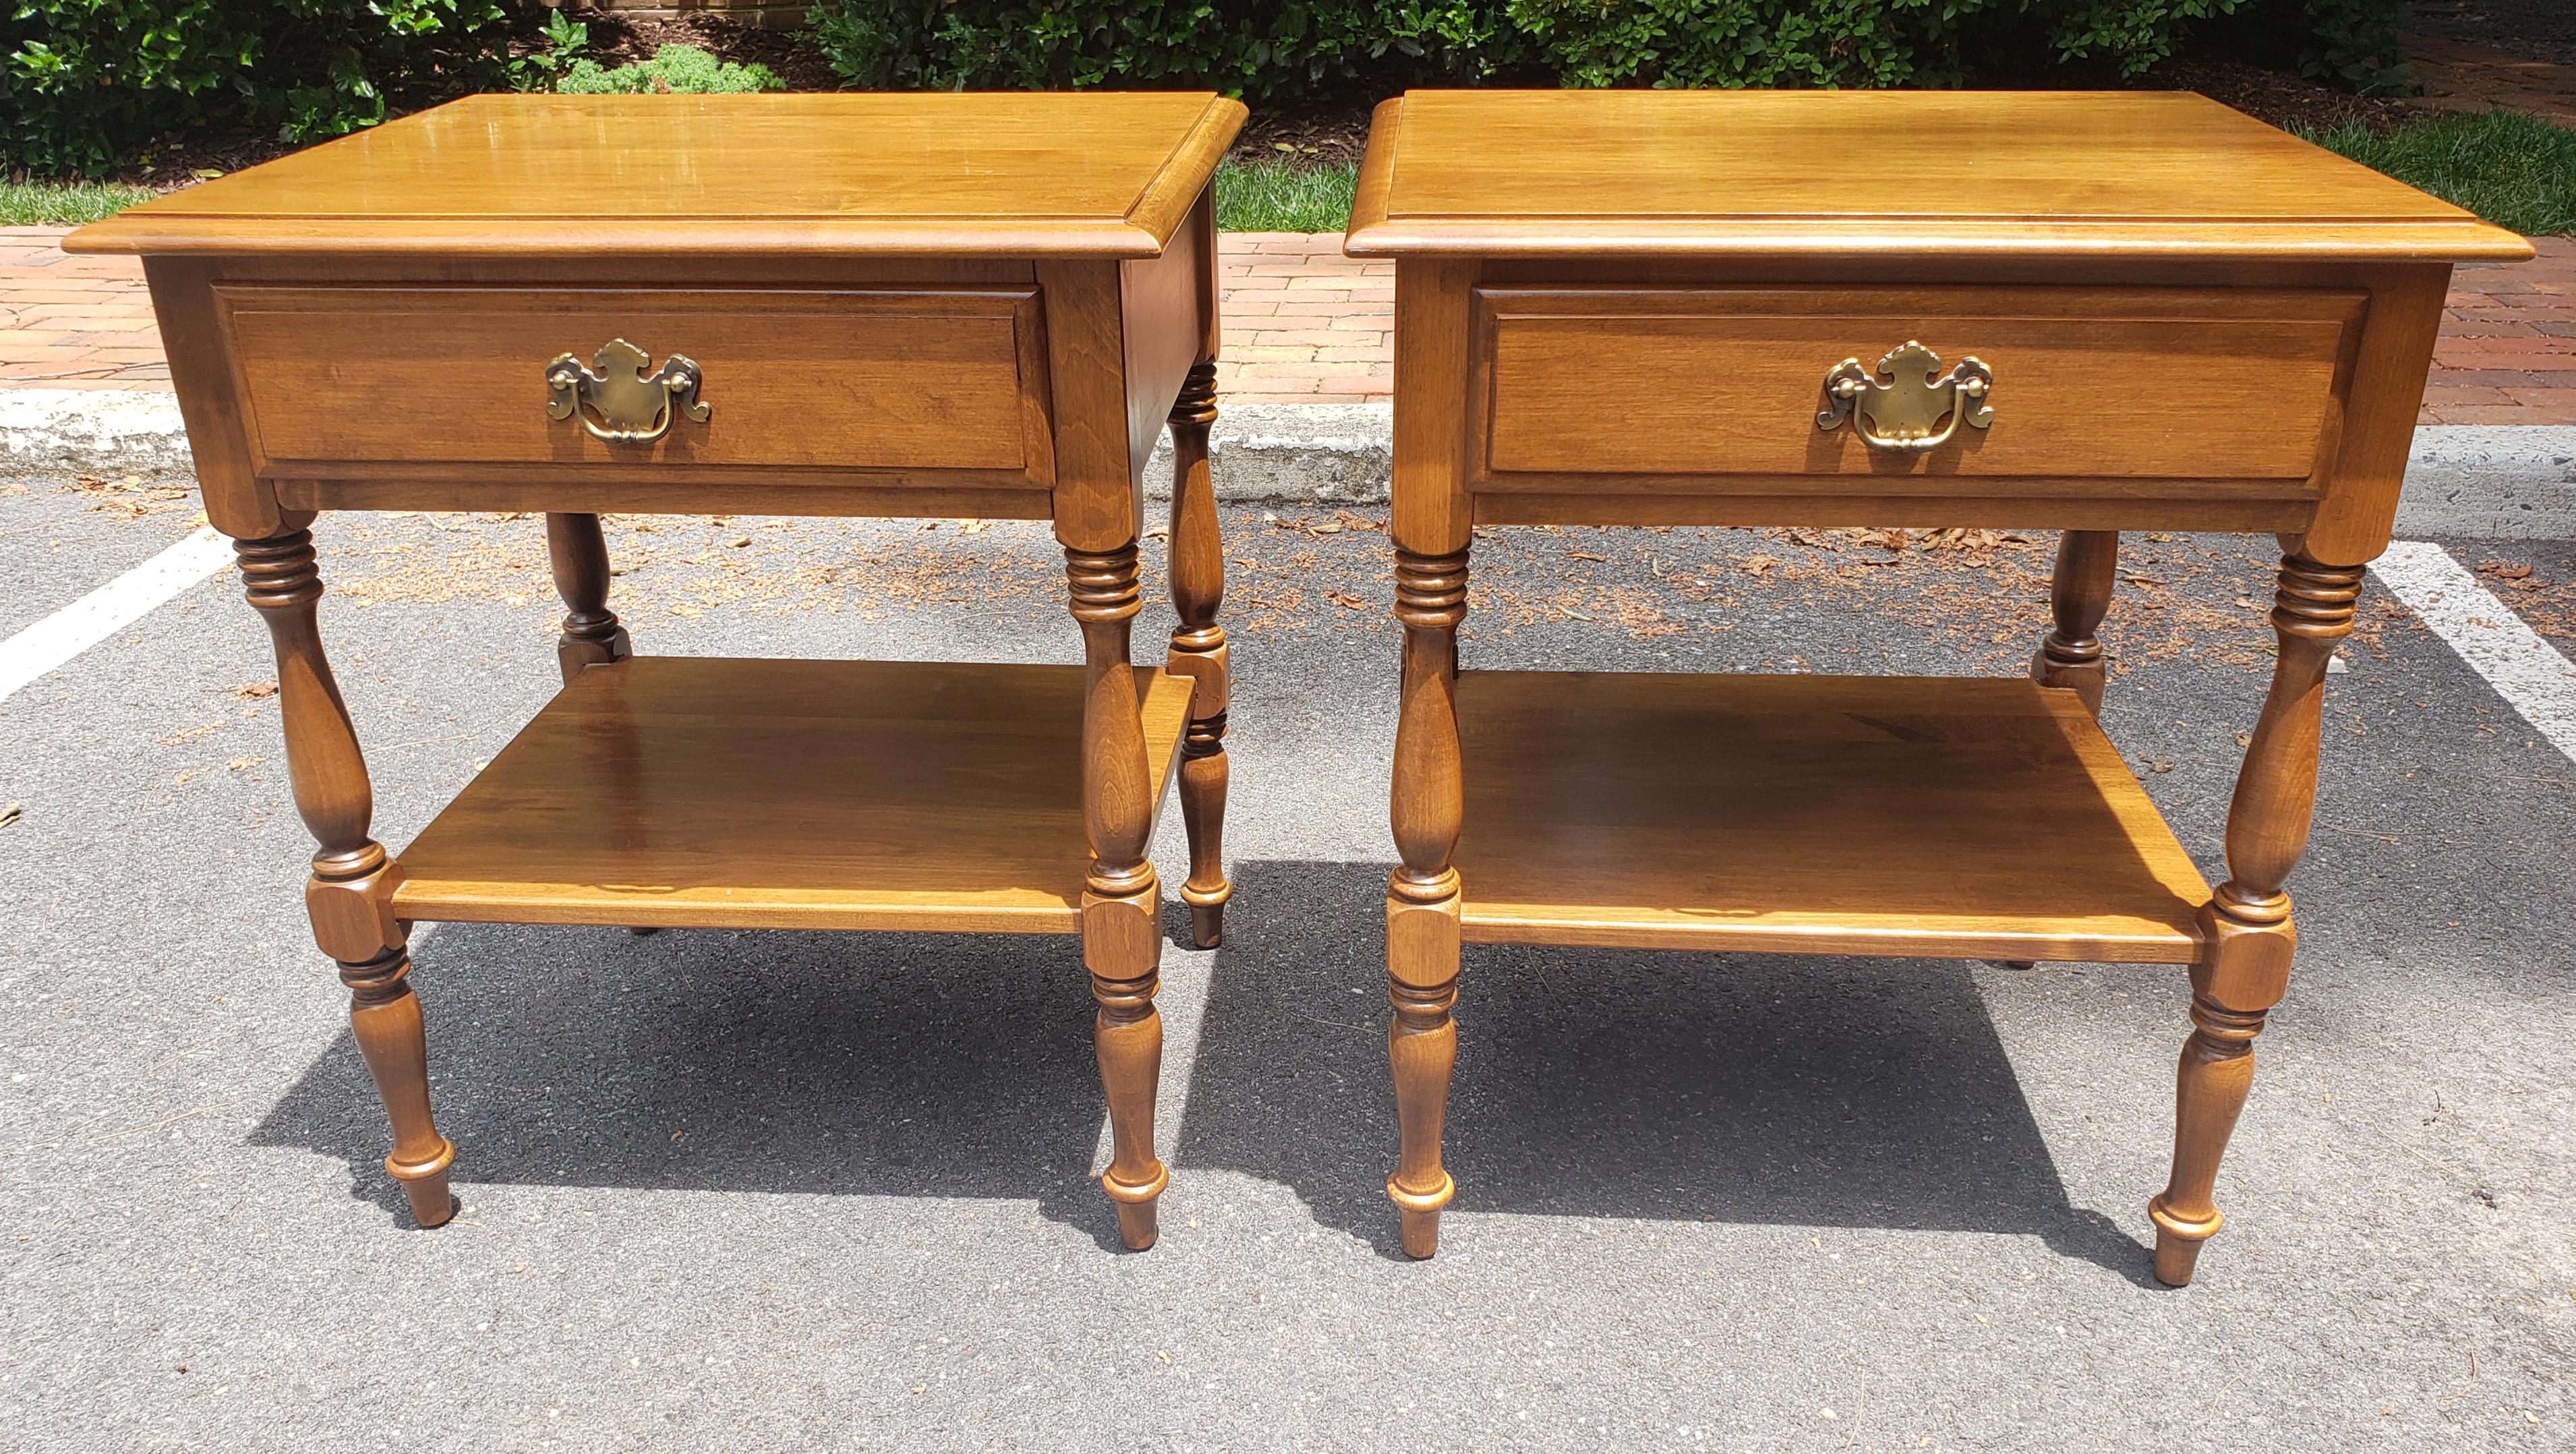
(1091, 174)
(1751, 173)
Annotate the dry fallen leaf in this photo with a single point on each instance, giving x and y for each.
(256, 691)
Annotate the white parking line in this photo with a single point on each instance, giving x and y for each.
(2526, 671)
(110, 609)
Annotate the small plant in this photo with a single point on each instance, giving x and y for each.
(559, 47)
(674, 70)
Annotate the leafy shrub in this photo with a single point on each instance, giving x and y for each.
(558, 45)
(1265, 49)
(90, 85)
(1286, 49)
(1745, 42)
(674, 68)
(2347, 43)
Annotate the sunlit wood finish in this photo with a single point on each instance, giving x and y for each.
(1621, 308)
(1006, 176)
(934, 305)
(1939, 816)
(920, 796)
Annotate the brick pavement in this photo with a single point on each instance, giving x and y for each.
(74, 322)
(2507, 354)
(2457, 75)
(1305, 325)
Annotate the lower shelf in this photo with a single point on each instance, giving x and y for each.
(1937, 816)
(692, 792)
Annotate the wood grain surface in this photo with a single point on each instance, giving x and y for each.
(1938, 816)
(2174, 384)
(339, 380)
(1090, 174)
(676, 791)
(1857, 173)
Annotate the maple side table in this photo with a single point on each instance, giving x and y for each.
(877, 305)
(2091, 312)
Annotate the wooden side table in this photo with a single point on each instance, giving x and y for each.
(933, 305)
(2092, 312)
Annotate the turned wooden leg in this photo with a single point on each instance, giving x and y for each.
(591, 635)
(2247, 933)
(1122, 944)
(1422, 898)
(350, 895)
(1198, 652)
(2079, 595)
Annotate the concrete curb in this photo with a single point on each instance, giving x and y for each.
(1299, 453)
(92, 431)
(2499, 482)
(2479, 481)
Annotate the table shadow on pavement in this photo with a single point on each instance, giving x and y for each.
(820, 1063)
(1770, 1089)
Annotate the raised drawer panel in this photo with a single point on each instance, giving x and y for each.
(1688, 386)
(892, 381)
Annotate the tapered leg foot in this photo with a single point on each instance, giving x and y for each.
(1422, 1048)
(2177, 1255)
(1420, 1232)
(1137, 1229)
(432, 1204)
(1207, 925)
(1128, 1036)
(2210, 1085)
(384, 1018)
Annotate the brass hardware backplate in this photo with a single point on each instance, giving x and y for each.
(627, 405)
(1901, 413)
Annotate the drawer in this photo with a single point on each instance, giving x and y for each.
(395, 382)
(2227, 391)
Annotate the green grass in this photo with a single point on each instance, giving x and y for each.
(1280, 195)
(2513, 169)
(64, 204)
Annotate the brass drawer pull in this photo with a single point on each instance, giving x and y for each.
(633, 407)
(1899, 414)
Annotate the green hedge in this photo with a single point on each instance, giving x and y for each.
(91, 85)
(1277, 50)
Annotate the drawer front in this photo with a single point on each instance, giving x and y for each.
(1720, 389)
(946, 383)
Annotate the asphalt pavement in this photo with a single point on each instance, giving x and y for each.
(797, 1190)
